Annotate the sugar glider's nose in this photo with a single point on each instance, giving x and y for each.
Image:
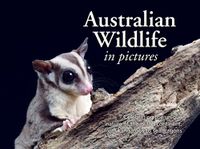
(87, 89)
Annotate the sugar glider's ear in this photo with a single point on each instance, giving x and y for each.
(42, 66)
(82, 49)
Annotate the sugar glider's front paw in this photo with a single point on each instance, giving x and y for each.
(68, 124)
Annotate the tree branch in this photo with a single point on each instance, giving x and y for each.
(151, 110)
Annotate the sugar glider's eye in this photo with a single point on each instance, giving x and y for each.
(89, 70)
(68, 76)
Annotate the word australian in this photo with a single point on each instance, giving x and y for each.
(138, 38)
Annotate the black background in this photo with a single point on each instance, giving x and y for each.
(43, 30)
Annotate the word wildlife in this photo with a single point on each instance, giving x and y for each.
(133, 39)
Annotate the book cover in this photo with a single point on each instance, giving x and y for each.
(135, 78)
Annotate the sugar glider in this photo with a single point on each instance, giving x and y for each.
(62, 96)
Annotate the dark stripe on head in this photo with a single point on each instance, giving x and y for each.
(70, 57)
(57, 72)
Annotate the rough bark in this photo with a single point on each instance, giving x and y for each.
(151, 110)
